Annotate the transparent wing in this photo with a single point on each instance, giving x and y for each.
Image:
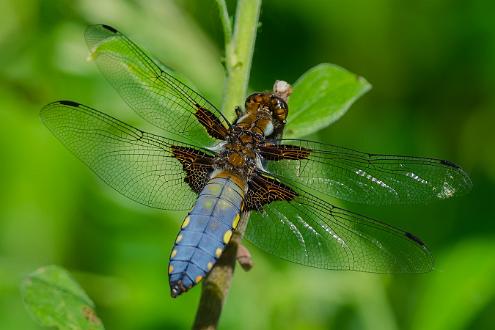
(147, 85)
(370, 178)
(314, 233)
(139, 165)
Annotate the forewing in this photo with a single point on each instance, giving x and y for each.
(139, 165)
(370, 178)
(312, 232)
(148, 86)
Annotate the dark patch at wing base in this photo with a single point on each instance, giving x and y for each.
(264, 190)
(284, 151)
(197, 164)
(213, 125)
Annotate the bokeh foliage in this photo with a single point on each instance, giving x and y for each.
(54, 299)
(432, 65)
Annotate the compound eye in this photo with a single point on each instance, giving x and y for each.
(280, 113)
(253, 102)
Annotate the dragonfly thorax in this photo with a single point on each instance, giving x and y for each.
(239, 154)
(263, 119)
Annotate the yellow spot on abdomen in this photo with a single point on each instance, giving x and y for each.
(207, 204)
(214, 189)
(227, 236)
(210, 266)
(198, 278)
(186, 222)
(236, 220)
(223, 204)
(170, 269)
(218, 252)
(174, 253)
(179, 238)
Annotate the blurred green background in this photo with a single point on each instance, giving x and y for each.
(432, 65)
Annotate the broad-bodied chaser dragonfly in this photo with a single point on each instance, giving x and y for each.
(217, 170)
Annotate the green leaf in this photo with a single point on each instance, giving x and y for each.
(320, 97)
(56, 300)
(460, 287)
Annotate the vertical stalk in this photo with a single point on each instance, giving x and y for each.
(238, 57)
(239, 54)
(217, 284)
(225, 19)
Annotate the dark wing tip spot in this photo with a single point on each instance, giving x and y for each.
(70, 103)
(414, 238)
(109, 28)
(449, 163)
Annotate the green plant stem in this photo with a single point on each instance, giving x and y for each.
(239, 54)
(217, 284)
(226, 23)
(238, 57)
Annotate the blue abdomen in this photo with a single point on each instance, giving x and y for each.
(205, 232)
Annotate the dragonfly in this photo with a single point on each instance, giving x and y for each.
(217, 171)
